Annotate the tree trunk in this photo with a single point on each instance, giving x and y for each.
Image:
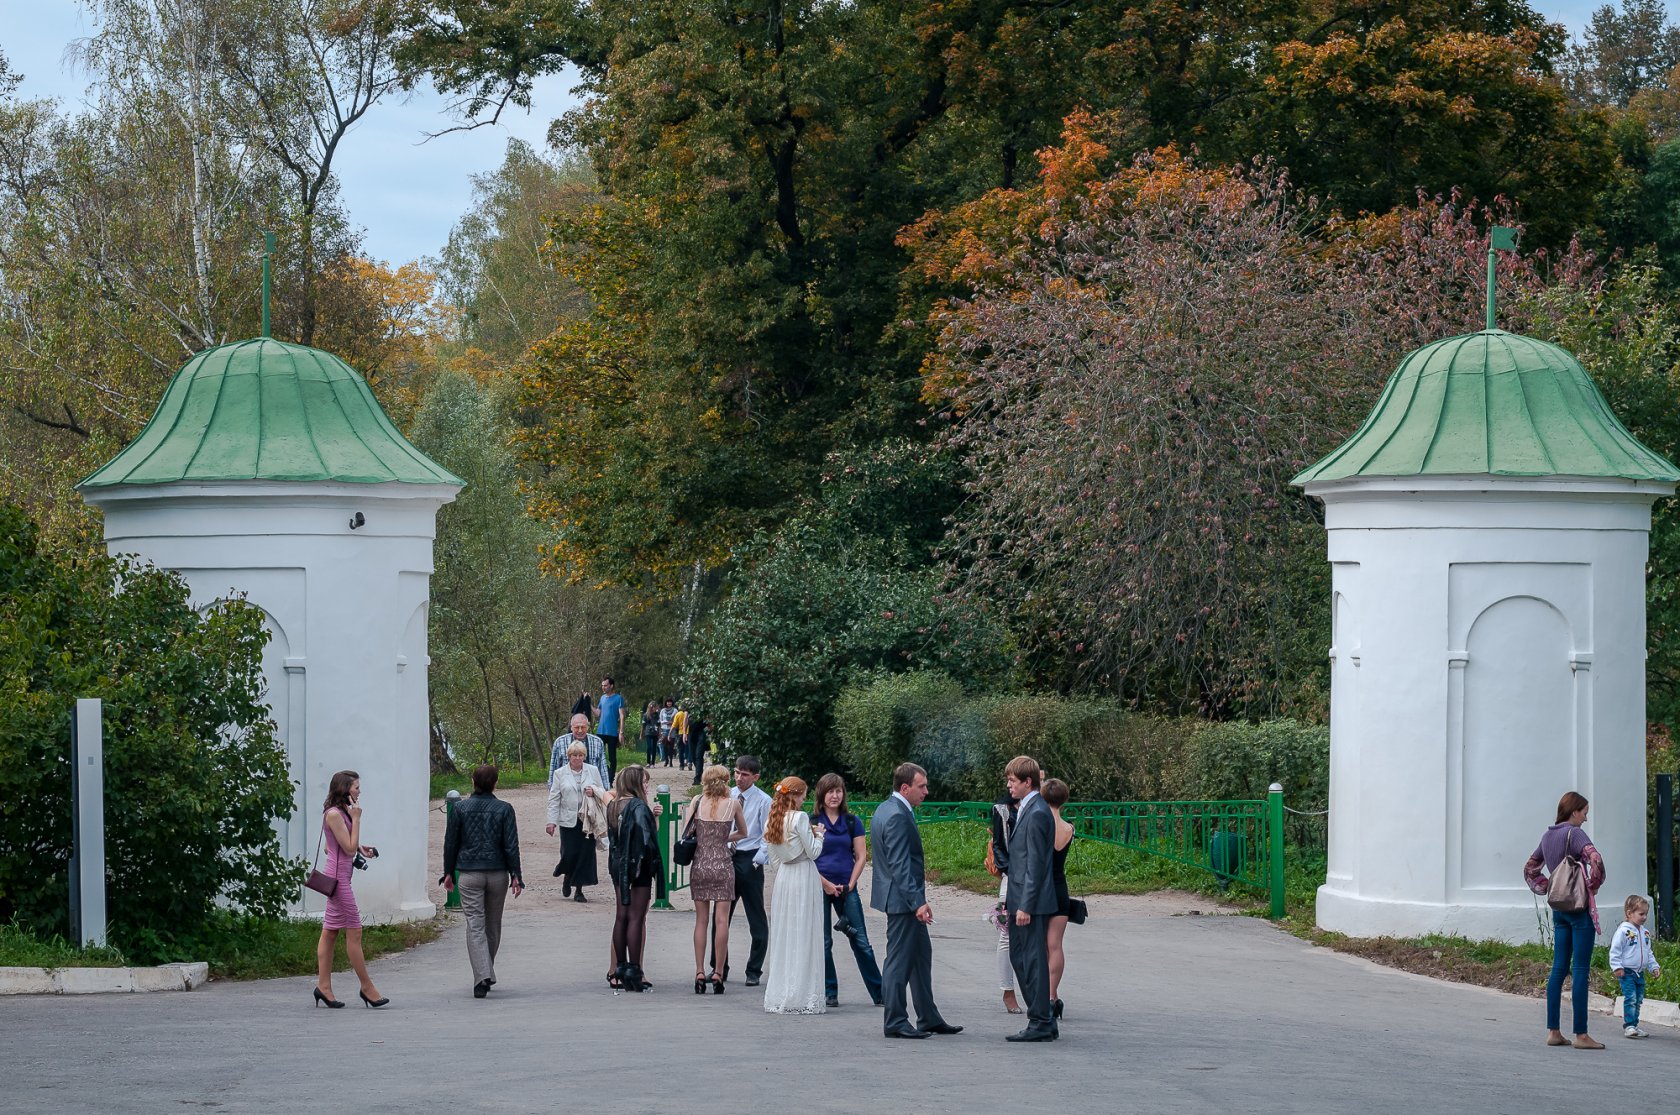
(441, 762)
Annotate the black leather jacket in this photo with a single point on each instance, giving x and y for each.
(636, 842)
(481, 836)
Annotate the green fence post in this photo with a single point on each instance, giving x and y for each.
(667, 875)
(453, 902)
(1274, 838)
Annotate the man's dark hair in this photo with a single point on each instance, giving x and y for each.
(748, 763)
(608, 679)
(906, 774)
(484, 778)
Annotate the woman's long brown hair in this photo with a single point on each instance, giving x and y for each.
(338, 790)
(787, 792)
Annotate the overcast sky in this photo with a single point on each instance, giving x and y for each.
(406, 191)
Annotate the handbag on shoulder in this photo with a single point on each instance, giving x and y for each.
(1567, 890)
(683, 854)
(319, 881)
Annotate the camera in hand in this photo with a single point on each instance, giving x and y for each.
(360, 863)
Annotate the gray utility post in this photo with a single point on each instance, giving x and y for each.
(87, 790)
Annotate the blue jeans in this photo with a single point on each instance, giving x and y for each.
(1633, 996)
(1572, 945)
(848, 908)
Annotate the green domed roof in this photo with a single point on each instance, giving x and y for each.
(1491, 403)
(267, 410)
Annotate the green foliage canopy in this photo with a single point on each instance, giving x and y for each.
(194, 780)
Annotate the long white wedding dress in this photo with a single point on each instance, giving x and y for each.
(794, 983)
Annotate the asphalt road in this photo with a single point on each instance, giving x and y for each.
(1166, 1011)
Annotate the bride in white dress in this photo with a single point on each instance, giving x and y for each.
(794, 983)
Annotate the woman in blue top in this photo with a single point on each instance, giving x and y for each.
(844, 854)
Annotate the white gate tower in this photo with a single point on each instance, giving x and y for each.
(269, 469)
(1488, 529)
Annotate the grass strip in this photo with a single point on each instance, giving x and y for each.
(237, 948)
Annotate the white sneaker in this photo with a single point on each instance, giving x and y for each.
(1631, 1032)
(1638, 1033)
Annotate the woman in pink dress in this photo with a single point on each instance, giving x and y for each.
(341, 826)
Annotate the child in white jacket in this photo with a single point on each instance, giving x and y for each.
(1631, 956)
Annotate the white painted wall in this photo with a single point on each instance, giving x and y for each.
(346, 668)
(1488, 654)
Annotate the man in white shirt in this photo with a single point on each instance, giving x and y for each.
(750, 858)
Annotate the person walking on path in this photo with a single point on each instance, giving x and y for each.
(1032, 896)
(698, 730)
(898, 888)
(714, 820)
(594, 751)
(634, 863)
(1003, 823)
(1572, 930)
(667, 717)
(481, 841)
(679, 737)
(650, 733)
(1631, 956)
(795, 982)
(341, 820)
(845, 852)
(611, 725)
(750, 858)
(1056, 794)
(577, 807)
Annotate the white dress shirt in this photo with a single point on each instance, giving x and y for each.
(755, 808)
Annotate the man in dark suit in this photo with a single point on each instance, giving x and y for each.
(1032, 896)
(899, 890)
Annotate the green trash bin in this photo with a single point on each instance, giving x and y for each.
(1225, 856)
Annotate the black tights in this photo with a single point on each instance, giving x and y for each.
(629, 934)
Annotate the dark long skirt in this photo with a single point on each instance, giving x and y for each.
(577, 856)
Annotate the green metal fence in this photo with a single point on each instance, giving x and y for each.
(1239, 842)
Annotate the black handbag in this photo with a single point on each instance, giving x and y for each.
(1077, 911)
(683, 854)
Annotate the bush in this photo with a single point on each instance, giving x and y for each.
(1239, 761)
(808, 613)
(194, 779)
(1102, 750)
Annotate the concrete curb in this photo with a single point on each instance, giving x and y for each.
(95, 981)
(1657, 1012)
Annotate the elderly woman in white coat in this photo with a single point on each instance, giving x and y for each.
(577, 808)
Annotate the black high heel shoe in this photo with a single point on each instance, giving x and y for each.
(717, 984)
(320, 998)
(700, 982)
(367, 1002)
(1055, 1008)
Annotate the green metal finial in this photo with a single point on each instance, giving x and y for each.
(1500, 239)
(268, 282)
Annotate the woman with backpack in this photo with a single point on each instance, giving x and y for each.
(1568, 870)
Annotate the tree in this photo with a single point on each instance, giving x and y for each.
(497, 268)
(298, 76)
(1148, 355)
(510, 645)
(1622, 53)
(193, 769)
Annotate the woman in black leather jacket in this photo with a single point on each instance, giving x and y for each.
(633, 861)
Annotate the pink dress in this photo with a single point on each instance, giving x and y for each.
(341, 912)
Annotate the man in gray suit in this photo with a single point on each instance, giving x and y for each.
(899, 890)
(1032, 896)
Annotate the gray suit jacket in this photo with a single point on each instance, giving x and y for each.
(1032, 848)
(898, 883)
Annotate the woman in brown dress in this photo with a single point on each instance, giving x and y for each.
(716, 821)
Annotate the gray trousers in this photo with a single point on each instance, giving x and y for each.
(483, 894)
(1029, 952)
(909, 963)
